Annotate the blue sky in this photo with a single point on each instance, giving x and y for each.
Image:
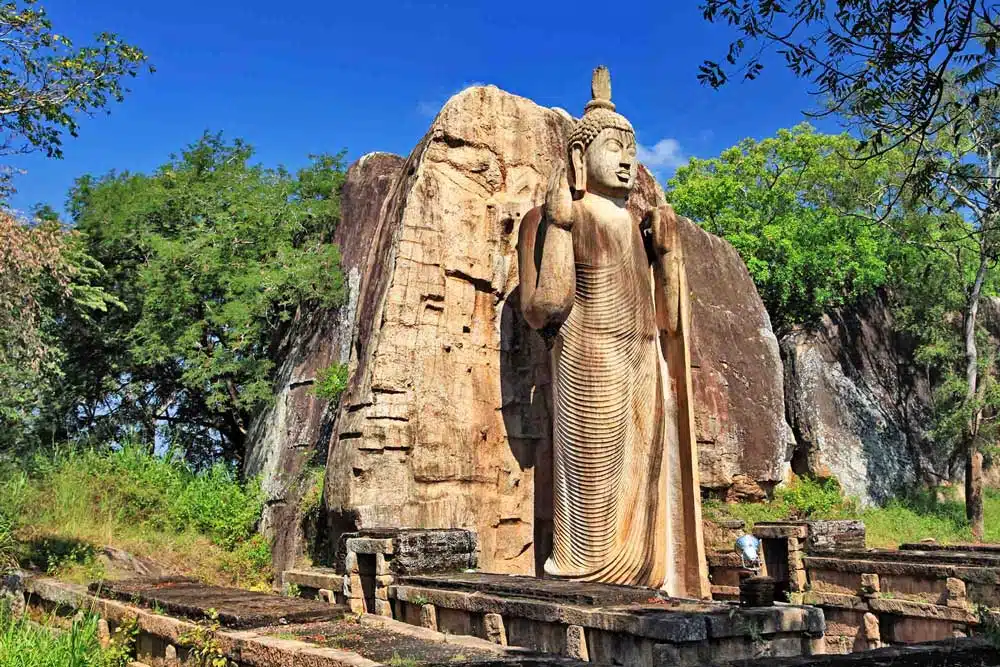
(308, 77)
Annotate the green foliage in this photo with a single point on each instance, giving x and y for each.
(46, 82)
(27, 644)
(135, 487)
(12, 502)
(803, 498)
(212, 256)
(249, 564)
(331, 382)
(69, 504)
(908, 48)
(796, 208)
(920, 515)
(44, 274)
(202, 642)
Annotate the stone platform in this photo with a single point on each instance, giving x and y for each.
(236, 608)
(614, 625)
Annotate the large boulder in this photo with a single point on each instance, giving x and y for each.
(446, 419)
(858, 404)
(743, 439)
(293, 432)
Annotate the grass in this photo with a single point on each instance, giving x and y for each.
(926, 514)
(71, 504)
(24, 643)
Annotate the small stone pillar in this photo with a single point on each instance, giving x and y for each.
(103, 633)
(873, 634)
(576, 643)
(495, 630)
(170, 656)
(428, 617)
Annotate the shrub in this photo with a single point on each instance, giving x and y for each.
(331, 382)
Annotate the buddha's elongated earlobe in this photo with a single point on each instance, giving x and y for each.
(576, 153)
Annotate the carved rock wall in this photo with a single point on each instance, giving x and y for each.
(445, 422)
(293, 432)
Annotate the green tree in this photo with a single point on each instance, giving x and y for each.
(211, 254)
(46, 82)
(44, 273)
(962, 161)
(798, 209)
(881, 65)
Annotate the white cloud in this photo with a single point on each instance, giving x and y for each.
(663, 157)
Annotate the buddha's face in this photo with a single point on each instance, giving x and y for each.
(610, 163)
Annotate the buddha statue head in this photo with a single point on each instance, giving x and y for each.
(602, 149)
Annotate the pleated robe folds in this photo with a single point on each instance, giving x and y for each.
(626, 497)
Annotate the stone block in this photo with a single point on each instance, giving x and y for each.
(383, 608)
(357, 605)
(955, 595)
(576, 643)
(170, 656)
(346, 589)
(351, 562)
(428, 617)
(870, 584)
(794, 544)
(835, 534)
(370, 545)
(797, 581)
(326, 595)
(871, 629)
(795, 561)
(356, 591)
(815, 645)
(776, 531)
(381, 592)
(495, 631)
(382, 564)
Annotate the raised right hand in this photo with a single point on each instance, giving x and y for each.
(559, 199)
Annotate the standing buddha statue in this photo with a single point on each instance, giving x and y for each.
(610, 293)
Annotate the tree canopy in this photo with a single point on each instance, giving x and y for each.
(210, 255)
(881, 65)
(46, 82)
(797, 208)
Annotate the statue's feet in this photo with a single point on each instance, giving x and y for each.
(551, 569)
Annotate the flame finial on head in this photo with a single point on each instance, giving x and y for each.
(600, 90)
(599, 114)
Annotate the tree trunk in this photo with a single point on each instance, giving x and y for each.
(974, 494)
(973, 459)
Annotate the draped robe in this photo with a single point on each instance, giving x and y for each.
(625, 481)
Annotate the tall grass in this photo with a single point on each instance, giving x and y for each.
(918, 516)
(27, 644)
(198, 522)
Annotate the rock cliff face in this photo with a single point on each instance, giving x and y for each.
(294, 431)
(445, 422)
(858, 404)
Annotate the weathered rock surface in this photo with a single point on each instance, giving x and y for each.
(445, 422)
(858, 404)
(736, 363)
(294, 431)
